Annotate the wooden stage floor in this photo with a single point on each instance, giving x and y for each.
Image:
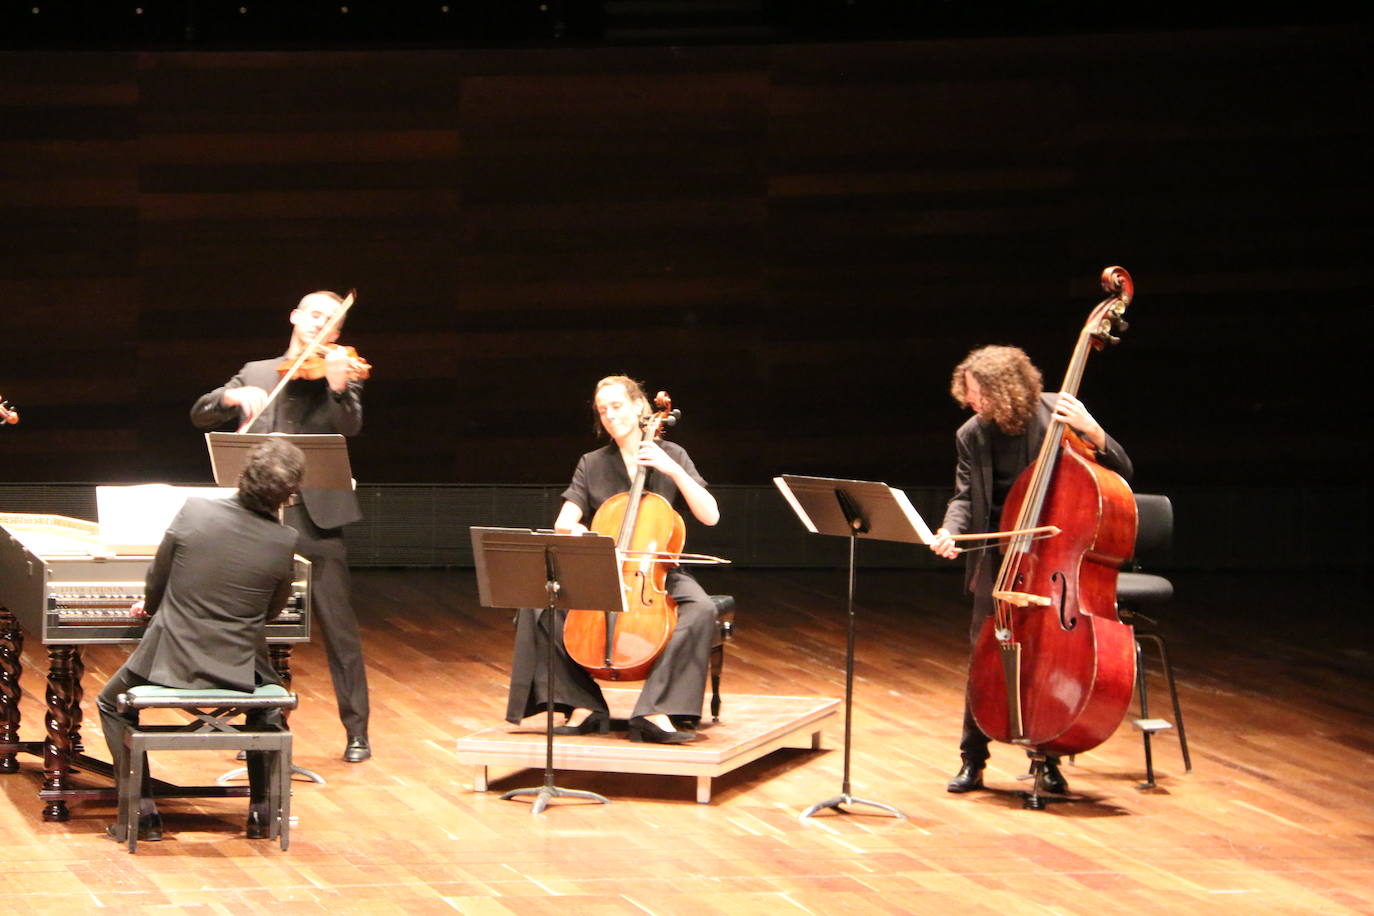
(1276, 817)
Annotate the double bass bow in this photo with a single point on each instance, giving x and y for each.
(648, 534)
(1053, 667)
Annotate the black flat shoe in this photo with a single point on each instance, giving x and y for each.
(256, 829)
(149, 829)
(641, 729)
(599, 722)
(357, 749)
(968, 779)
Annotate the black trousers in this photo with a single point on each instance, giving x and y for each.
(331, 605)
(115, 724)
(676, 685)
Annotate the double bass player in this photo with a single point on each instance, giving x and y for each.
(1011, 415)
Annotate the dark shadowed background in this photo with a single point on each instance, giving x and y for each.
(797, 238)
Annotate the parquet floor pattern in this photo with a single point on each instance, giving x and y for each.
(1276, 817)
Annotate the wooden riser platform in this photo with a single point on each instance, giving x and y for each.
(751, 727)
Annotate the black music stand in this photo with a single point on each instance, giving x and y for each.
(519, 568)
(326, 468)
(853, 509)
(326, 457)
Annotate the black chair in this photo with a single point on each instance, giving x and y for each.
(1136, 589)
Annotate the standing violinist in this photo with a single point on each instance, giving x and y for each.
(329, 404)
(1011, 415)
(670, 701)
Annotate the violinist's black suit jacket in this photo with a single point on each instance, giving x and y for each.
(309, 406)
(302, 407)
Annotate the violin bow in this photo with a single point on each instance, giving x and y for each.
(301, 357)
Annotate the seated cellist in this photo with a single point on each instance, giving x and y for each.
(670, 700)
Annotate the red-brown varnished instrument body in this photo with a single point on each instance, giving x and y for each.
(1077, 657)
(641, 633)
(1054, 667)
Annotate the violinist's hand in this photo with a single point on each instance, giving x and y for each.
(1070, 410)
(249, 399)
(943, 545)
(336, 369)
(652, 455)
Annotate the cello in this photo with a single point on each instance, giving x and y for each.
(1053, 667)
(648, 534)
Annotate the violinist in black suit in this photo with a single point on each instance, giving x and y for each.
(1011, 414)
(331, 404)
(222, 571)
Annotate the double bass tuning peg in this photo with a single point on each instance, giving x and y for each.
(673, 416)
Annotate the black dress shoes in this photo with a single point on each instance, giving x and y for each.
(357, 749)
(1054, 781)
(149, 829)
(968, 779)
(599, 722)
(257, 823)
(641, 729)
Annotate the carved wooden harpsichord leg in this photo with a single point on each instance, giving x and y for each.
(64, 663)
(11, 665)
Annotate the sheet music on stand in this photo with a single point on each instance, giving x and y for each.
(889, 514)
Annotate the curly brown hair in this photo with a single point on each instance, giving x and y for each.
(1009, 382)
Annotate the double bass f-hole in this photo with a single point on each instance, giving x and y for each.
(1060, 595)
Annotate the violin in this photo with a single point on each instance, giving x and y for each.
(314, 364)
(648, 536)
(1054, 666)
(8, 415)
(314, 352)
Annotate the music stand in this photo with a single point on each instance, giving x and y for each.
(519, 568)
(326, 468)
(326, 457)
(853, 509)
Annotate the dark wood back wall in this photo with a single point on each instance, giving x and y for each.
(797, 241)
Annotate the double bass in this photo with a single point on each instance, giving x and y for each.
(1053, 667)
(648, 534)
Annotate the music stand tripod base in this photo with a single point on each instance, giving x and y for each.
(544, 794)
(847, 799)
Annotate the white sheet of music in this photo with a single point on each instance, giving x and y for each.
(133, 519)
